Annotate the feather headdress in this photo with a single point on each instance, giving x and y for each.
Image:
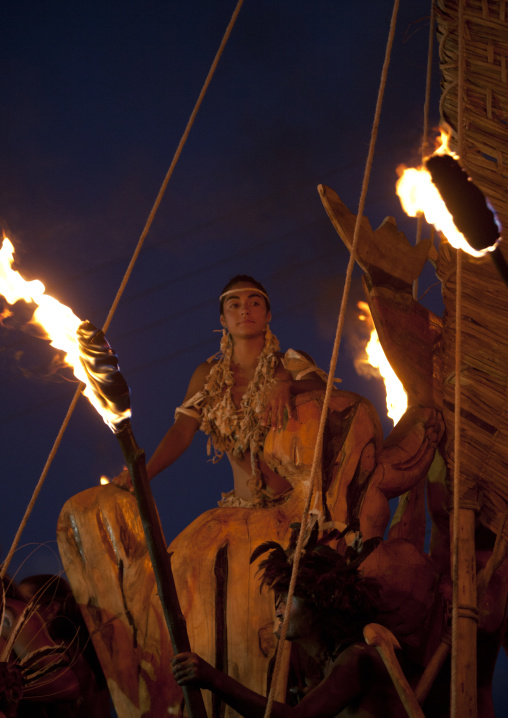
(328, 579)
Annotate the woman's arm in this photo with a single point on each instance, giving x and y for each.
(175, 442)
(177, 439)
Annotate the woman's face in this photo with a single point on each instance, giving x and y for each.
(244, 312)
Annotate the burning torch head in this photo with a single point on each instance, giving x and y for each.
(101, 366)
(465, 202)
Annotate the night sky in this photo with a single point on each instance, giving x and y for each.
(94, 99)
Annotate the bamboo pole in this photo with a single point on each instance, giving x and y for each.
(465, 618)
(161, 562)
(464, 698)
(433, 667)
(463, 694)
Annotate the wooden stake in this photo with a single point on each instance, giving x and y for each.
(464, 620)
(175, 620)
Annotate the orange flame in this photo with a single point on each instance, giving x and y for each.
(104, 480)
(418, 194)
(396, 397)
(58, 322)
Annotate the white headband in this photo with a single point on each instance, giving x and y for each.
(254, 290)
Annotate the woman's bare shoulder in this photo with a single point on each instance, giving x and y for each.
(203, 369)
(199, 377)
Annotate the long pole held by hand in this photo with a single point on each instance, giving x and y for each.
(175, 621)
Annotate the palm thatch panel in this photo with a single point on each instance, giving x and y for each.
(484, 373)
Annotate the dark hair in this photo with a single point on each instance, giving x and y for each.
(244, 278)
(48, 587)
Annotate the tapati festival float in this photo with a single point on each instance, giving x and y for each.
(444, 606)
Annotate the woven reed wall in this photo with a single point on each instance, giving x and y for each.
(485, 113)
(484, 444)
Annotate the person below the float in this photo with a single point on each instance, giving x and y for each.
(331, 605)
(237, 396)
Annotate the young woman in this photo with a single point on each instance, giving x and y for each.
(241, 398)
(237, 396)
(262, 409)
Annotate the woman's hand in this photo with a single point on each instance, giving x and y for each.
(190, 669)
(123, 480)
(278, 402)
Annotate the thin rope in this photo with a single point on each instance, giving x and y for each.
(173, 164)
(425, 135)
(458, 360)
(426, 107)
(39, 485)
(333, 363)
(123, 284)
(456, 478)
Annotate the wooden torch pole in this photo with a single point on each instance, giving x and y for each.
(175, 621)
(111, 391)
(463, 699)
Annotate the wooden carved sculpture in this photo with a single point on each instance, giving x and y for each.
(420, 347)
(100, 535)
(230, 623)
(473, 52)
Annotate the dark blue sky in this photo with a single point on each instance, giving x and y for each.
(95, 97)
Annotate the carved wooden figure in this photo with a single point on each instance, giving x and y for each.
(230, 622)
(420, 347)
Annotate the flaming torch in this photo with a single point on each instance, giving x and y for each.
(95, 364)
(469, 224)
(373, 362)
(451, 201)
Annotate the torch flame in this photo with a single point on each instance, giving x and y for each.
(59, 323)
(396, 397)
(418, 194)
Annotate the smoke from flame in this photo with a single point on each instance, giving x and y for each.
(373, 363)
(58, 322)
